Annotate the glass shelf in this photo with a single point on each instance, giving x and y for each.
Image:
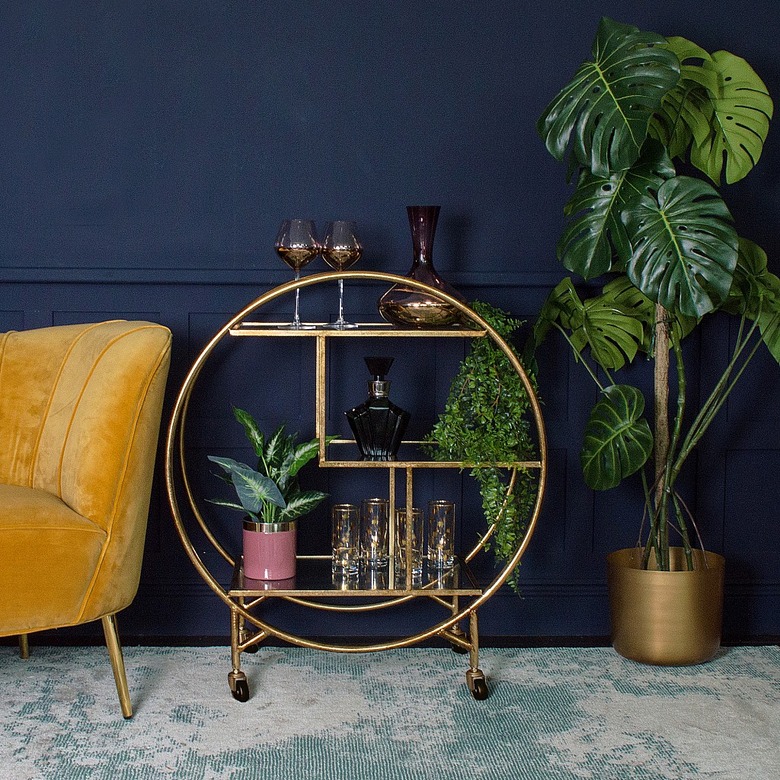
(314, 579)
(364, 330)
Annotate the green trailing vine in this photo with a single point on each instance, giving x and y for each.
(486, 421)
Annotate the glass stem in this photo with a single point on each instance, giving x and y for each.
(341, 301)
(297, 318)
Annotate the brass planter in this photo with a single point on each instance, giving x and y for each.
(667, 618)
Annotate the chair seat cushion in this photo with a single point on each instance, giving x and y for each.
(50, 554)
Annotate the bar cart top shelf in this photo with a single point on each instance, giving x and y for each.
(363, 329)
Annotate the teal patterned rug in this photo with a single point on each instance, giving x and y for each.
(552, 714)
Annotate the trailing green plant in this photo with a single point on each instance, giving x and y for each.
(667, 243)
(271, 493)
(486, 421)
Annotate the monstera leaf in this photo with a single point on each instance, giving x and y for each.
(613, 331)
(561, 307)
(756, 294)
(604, 112)
(684, 116)
(769, 321)
(737, 120)
(684, 246)
(596, 234)
(750, 280)
(720, 108)
(618, 440)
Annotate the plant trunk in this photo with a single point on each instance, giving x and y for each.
(661, 399)
(659, 528)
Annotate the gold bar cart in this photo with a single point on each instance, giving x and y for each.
(456, 591)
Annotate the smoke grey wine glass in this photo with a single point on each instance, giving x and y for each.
(297, 245)
(341, 249)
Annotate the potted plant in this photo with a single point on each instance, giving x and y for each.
(666, 245)
(485, 422)
(270, 498)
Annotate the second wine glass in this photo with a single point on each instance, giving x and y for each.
(341, 249)
(297, 245)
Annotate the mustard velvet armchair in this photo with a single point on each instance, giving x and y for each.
(80, 409)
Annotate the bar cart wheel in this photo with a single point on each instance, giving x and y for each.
(239, 686)
(477, 684)
(480, 690)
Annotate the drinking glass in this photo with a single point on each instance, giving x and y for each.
(341, 249)
(401, 531)
(374, 531)
(441, 534)
(376, 579)
(346, 539)
(297, 245)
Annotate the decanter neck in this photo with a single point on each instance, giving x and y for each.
(422, 222)
(379, 388)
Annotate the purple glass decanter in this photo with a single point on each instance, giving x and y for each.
(411, 308)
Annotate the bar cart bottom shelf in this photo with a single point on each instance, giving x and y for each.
(248, 631)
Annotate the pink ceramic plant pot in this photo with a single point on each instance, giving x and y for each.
(269, 550)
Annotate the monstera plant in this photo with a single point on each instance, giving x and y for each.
(650, 127)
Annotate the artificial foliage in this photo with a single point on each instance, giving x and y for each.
(485, 422)
(664, 244)
(271, 493)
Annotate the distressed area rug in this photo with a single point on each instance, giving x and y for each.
(552, 714)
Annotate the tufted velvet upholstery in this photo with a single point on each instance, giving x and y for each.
(80, 409)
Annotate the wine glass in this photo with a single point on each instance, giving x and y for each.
(297, 245)
(341, 249)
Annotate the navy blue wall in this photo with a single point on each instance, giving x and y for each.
(150, 150)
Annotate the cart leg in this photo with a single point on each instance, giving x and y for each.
(243, 634)
(475, 677)
(239, 687)
(457, 631)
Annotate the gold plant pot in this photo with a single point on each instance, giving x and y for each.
(667, 618)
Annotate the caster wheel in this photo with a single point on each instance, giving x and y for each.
(241, 691)
(458, 649)
(252, 649)
(479, 690)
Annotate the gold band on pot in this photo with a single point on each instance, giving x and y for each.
(269, 528)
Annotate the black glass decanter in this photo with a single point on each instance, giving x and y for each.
(378, 424)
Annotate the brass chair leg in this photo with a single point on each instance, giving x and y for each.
(24, 646)
(117, 663)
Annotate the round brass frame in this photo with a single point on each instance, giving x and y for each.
(176, 471)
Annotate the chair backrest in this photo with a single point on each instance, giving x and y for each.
(80, 409)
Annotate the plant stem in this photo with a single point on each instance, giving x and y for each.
(659, 535)
(718, 396)
(578, 356)
(665, 443)
(670, 475)
(683, 529)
